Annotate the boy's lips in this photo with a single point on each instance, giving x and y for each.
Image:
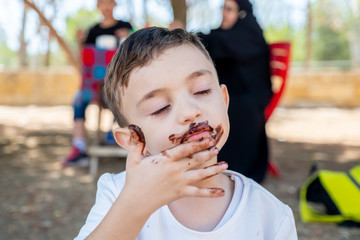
(197, 136)
(197, 132)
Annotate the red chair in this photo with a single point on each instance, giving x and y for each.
(279, 65)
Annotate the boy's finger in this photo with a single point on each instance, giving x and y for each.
(201, 174)
(200, 158)
(137, 143)
(193, 191)
(188, 149)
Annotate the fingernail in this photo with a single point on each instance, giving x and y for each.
(218, 191)
(215, 150)
(222, 163)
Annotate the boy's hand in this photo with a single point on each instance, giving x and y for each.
(80, 35)
(122, 33)
(160, 179)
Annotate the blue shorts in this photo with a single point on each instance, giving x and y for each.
(81, 101)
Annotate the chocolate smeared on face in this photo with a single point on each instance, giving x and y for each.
(136, 133)
(195, 129)
(219, 131)
(137, 136)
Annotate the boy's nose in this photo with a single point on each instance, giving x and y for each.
(189, 112)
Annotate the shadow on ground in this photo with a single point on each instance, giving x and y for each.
(40, 200)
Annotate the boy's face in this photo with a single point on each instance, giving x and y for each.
(176, 89)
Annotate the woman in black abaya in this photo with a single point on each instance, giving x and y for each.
(241, 57)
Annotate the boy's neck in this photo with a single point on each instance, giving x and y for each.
(192, 211)
(108, 22)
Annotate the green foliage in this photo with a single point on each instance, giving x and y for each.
(330, 31)
(8, 58)
(330, 44)
(287, 34)
(83, 19)
(329, 35)
(275, 34)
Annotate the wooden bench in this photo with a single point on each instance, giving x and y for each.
(98, 151)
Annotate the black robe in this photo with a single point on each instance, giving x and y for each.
(241, 57)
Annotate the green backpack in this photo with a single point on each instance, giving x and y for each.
(337, 193)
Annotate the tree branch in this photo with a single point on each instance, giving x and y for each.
(53, 32)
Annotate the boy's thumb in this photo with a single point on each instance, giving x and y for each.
(137, 140)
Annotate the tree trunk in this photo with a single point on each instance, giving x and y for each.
(48, 53)
(48, 42)
(73, 60)
(354, 35)
(22, 50)
(179, 9)
(308, 35)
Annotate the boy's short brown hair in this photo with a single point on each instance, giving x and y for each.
(137, 51)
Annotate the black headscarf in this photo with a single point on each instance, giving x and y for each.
(244, 5)
(242, 42)
(241, 56)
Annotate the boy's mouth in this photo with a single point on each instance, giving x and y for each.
(197, 132)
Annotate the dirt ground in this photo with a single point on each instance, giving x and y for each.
(40, 200)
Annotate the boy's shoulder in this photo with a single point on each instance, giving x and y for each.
(260, 206)
(254, 195)
(112, 183)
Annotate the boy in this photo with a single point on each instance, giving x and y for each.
(165, 83)
(108, 35)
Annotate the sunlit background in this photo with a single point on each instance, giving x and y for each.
(280, 19)
(317, 120)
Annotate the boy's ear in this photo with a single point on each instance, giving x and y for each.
(225, 94)
(122, 137)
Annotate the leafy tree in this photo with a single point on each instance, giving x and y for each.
(330, 44)
(83, 19)
(287, 33)
(330, 39)
(8, 58)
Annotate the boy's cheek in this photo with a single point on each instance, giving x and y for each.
(155, 143)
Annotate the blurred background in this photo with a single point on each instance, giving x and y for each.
(318, 120)
(324, 33)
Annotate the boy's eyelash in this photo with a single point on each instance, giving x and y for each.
(205, 92)
(160, 110)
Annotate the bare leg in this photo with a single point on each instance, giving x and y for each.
(79, 131)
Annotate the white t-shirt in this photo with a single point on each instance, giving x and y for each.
(253, 213)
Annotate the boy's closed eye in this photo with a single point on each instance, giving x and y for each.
(167, 107)
(203, 92)
(161, 110)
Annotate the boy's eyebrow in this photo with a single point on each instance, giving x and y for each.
(198, 73)
(150, 95)
(191, 76)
